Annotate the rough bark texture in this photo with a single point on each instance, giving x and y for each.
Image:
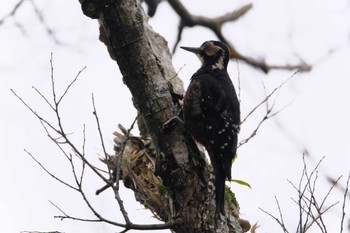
(145, 63)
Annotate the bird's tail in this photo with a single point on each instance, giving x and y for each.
(222, 170)
(219, 189)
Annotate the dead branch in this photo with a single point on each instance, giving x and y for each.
(310, 211)
(278, 220)
(344, 203)
(49, 31)
(269, 109)
(13, 12)
(99, 126)
(215, 25)
(50, 173)
(152, 6)
(41, 232)
(55, 132)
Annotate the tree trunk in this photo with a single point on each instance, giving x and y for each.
(145, 63)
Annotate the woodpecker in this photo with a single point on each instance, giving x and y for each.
(211, 112)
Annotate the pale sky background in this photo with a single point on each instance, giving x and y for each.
(317, 118)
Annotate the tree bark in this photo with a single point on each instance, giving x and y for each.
(145, 63)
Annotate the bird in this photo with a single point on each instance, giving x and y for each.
(211, 112)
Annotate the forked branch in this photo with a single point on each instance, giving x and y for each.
(215, 25)
(269, 109)
(312, 210)
(57, 134)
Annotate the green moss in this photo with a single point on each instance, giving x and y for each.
(162, 189)
(230, 198)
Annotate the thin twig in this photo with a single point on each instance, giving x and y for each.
(49, 173)
(268, 110)
(268, 96)
(66, 216)
(13, 11)
(54, 140)
(61, 130)
(265, 118)
(41, 232)
(99, 126)
(53, 81)
(71, 84)
(344, 201)
(315, 219)
(132, 226)
(35, 113)
(216, 24)
(281, 216)
(83, 149)
(329, 191)
(51, 33)
(319, 208)
(310, 211)
(300, 195)
(179, 35)
(85, 163)
(276, 219)
(312, 202)
(44, 98)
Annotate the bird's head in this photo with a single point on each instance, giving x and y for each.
(213, 54)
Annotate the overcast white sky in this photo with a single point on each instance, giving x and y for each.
(317, 118)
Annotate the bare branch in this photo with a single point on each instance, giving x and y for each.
(83, 149)
(215, 24)
(13, 12)
(81, 155)
(71, 84)
(35, 113)
(181, 27)
(66, 216)
(49, 173)
(320, 223)
(254, 133)
(44, 98)
(41, 232)
(268, 111)
(50, 32)
(268, 96)
(310, 211)
(344, 201)
(276, 219)
(280, 213)
(329, 191)
(212, 23)
(126, 226)
(99, 127)
(53, 83)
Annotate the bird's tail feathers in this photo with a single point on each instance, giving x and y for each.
(219, 190)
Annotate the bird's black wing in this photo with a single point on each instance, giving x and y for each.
(221, 116)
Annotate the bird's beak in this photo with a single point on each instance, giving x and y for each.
(192, 49)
